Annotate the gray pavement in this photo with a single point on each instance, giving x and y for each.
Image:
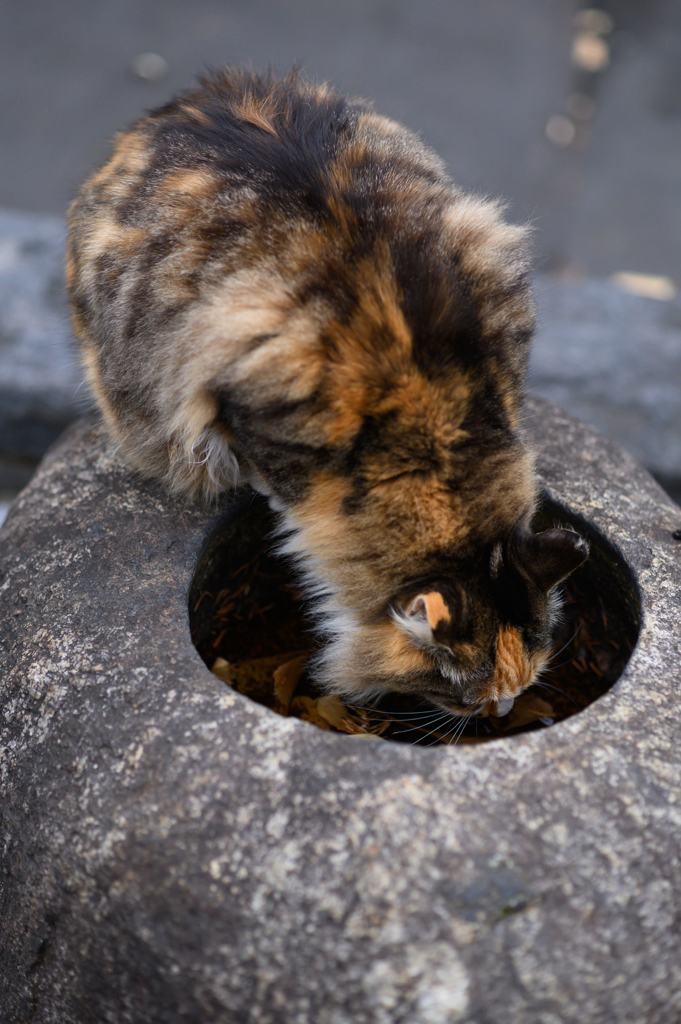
(479, 78)
(591, 157)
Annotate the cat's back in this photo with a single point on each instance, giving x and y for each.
(228, 171)
(263, 247)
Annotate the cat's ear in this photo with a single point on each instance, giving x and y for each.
(431, 616)
(547, 558)
(430, 607)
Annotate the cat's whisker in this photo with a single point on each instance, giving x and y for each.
(421, 714)
(458, 734)
(567, 644)
(438, 727)
(401, 719)
(423, 725)
(548, 686)
(554, 668)
(456, 730)
(402, 714)
(392, 714)
(557, 689)
(441, 738)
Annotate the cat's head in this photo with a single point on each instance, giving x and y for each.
(467, 644)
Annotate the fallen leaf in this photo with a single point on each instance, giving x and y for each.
(223, 670)
(306, 709)
(528, 708)
(332, 710)
(253, 676)
(286, 678)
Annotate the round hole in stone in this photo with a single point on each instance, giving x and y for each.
(248, 623)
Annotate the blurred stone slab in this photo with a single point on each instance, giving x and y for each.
(614, 361)
(39, 369)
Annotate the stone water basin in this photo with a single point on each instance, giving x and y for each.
(175, 851)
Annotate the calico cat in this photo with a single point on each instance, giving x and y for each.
(273, 284)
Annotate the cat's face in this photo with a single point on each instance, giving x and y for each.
(473, 644)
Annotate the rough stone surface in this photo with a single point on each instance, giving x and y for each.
(172, 852)
(39, 368)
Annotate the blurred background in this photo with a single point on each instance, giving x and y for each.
(571, 113)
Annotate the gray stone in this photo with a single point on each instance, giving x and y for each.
(614, 361)
(172, 852)
(39, 367)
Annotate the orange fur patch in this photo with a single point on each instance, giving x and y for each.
(107, 234)
(324, 502)
(436, 609)
(91, 361)
(197, 184)
(130, 157)
(70, 266)
(258, 112)
(196, 113)
(513, 670)
(394, 652)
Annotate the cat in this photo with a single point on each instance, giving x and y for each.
(273, 284)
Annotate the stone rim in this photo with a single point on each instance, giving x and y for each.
(247, 525)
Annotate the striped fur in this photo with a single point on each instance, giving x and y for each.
(274, 284)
